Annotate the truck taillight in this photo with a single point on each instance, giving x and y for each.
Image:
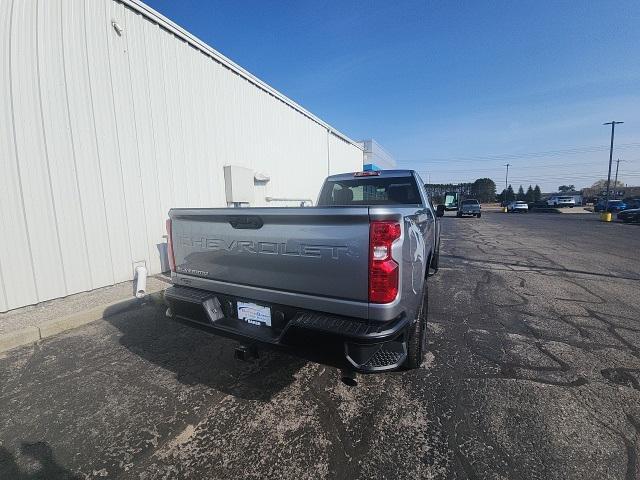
(383, 270)
(172, 258)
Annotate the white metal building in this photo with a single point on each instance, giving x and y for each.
(109, 115)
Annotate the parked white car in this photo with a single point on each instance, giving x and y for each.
(518, 206)
(562, 202)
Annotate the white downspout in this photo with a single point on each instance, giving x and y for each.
(141, 281)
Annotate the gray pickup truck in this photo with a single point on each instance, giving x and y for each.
(471, 207)
(353, 268)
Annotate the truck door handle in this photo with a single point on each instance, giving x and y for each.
(245, 222)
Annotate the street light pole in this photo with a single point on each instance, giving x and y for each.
(615, 182)
(613, 129)
(506, 182)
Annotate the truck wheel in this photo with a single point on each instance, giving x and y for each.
(459, 215)
(417, 336)
(479, 215)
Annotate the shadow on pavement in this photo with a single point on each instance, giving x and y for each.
(36, 461)
(198, 357)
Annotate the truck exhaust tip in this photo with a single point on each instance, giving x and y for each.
(348, 377)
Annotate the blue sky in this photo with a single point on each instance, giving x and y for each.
(453, 89)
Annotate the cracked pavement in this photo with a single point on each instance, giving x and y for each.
(533, 372)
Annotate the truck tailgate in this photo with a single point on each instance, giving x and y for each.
(316, 251)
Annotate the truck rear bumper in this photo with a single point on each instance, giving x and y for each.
(368, 346)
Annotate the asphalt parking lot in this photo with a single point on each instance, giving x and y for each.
(533, 372)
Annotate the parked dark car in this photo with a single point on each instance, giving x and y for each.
(629, 215)
(614, 206)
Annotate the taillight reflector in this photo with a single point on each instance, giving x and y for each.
(383, 270)
(170, 255)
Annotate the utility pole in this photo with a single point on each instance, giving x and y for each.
(613, 129)
(615, 182)
(506, 182)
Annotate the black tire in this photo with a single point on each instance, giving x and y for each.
(417, 335)
(479, 215)
(459, 215)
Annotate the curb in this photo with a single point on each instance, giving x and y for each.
(33, 334)
(18, 338)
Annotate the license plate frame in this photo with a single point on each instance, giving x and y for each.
(253, 313)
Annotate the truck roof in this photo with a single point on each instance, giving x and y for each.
(381, 173)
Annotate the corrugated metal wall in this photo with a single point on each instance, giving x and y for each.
(101, 133)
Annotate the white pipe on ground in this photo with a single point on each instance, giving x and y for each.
(141, 281)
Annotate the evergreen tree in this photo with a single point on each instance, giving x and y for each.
(511, 196)
(529, 196)
(521, 193)
(537, 194)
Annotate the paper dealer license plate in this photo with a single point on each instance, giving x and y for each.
(254, 314)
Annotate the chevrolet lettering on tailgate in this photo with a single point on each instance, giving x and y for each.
(267, 248)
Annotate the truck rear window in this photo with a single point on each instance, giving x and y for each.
(370, 191)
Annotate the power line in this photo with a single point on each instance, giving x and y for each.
(497, 168)
(561, 175)
(526, 155)
(570, 177)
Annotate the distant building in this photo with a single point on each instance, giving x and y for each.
(593, 194)
(577, 196)
(376, 157)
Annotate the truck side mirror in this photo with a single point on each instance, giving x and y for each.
(440, 211)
